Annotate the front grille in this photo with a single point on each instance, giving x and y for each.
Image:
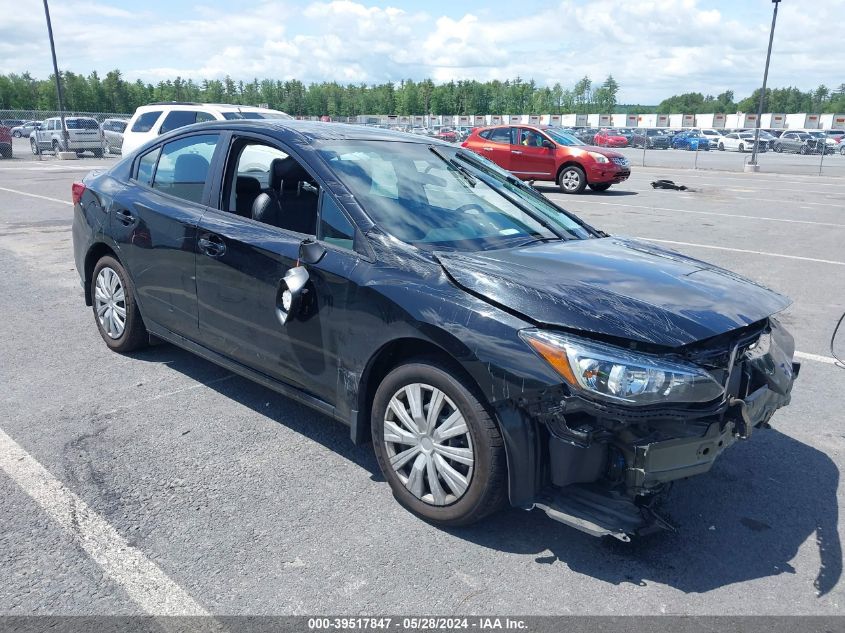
(621, 161)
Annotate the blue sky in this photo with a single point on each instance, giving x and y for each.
(654, 48)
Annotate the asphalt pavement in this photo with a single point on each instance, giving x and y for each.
(160, 483)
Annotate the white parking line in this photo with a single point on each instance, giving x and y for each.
(743, 250)
(776, 178)
(35, 195)
(816, 357)
(144, 582)
(726, 215)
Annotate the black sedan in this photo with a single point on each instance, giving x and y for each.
(493, 347)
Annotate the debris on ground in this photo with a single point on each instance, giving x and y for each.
(668, 184)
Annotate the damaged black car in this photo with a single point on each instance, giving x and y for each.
(493, 347)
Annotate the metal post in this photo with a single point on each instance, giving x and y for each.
(59, 92)
(763, 91)
(645, 143)
(824, 151)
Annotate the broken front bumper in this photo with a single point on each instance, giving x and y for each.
(607, 483)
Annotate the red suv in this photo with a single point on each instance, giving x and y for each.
(610, 138)
(547, 153)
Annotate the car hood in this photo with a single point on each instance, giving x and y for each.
(617, 287)
(575, 149)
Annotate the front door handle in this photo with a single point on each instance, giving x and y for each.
(211, 245)
(515, 151)
(487, 149)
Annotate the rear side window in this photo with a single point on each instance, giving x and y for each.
(145, 122)
(183, 166)
(500, 135)
(146, 166)
(118, 126)
(177, 119)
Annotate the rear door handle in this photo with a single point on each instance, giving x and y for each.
(211, 245)
(487, 149)
(124, 217)
(515, 151)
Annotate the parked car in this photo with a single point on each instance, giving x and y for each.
(587, 135)
(446, 134)
(5, 142)
(797, 142)
(823, 141)
(81, 134)
(157, 118)
(544, 153)
(113, 130)
(711, 135)
(26, 128)
(650, 138)
(610, 138)
(742, 142)
(492, 346)
(691, 140)
(836, 135)
(10, 123)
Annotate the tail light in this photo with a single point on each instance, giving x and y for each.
(76, 191)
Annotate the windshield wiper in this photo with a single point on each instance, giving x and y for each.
(463, 171)
(540, 239)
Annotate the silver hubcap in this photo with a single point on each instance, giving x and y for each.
(428, 444)
(570, 180)
(110, 303)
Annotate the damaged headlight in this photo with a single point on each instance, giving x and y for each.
(621, 375)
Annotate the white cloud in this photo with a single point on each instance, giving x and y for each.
(654, 48)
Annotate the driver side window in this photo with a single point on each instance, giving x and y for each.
(268, 185)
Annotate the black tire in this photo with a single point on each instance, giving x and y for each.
(34, 147)
(842, 150)
(487, 489)
(56, 147)
(602, 186)
(742, 147)
(6, 152)
(803, 151)
(575, 178)
(778, 148)
(98, 153)
(134, 334)
(16, 134)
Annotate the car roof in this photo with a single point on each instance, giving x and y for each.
(310, 131)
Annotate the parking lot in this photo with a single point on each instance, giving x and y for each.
(160, 483)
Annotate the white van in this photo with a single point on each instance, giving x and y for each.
(157, 118)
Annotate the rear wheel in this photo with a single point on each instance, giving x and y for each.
(603, 186)
(16, 134)
(741, 147)
(34, 146)
(842, 150)
(803, 150)
(98, 153)
(778, 148)
(115, 309)
(436, 444)
(572, 179)
(56, 147)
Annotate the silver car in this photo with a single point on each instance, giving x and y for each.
(113, 135)
(26, 129)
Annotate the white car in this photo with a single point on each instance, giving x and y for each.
(712, 135)
(741, 142)
(157, 118)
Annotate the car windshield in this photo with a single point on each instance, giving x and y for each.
(439, 198)
(562, 138)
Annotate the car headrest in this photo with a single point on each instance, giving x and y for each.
(247, 185)
(286, 173)
(190, 168)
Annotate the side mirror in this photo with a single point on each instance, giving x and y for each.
(311, 252)
(289, 293)
(548, 144)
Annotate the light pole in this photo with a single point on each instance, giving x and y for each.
(754, 166)
(56, 71)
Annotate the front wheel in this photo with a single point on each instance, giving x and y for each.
(603, 186)
(842, 150)
(572, 179)
(16, 134)
(803, 150)
(741, 147)
(437, 445)
(98, 153)
(115, 308)
(778, 148)
(34, 146)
